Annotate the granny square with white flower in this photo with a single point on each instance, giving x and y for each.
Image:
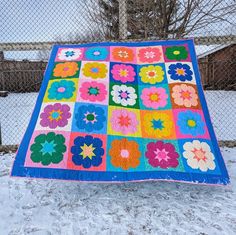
(122, 111)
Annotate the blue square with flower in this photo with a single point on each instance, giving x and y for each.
(123, 73)
(151, 74)
(155, 97)
(89, 118)
(97, 53)
(199, 156)
(125, 154)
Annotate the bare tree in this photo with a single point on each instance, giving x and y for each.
(159, 18)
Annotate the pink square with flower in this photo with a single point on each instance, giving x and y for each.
(91, 91)
(123, 54)
(149, 55)
(69, 54)
(62, 164)
(190, 123)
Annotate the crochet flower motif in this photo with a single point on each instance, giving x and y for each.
(149, 55)
(93, 91)
(96, 53)
(176, 53)
(154, 97)
(199, 155)
(87, 151)
(95, 70)
(125, 154)
(123, 73)
(163, 155)
(180, 72)
(184, 95)
(190, 123)
(124, 95)
(69, 54)
(55, 115)
(158, 124)
(62, 89)
(124, 121)
(151, 74)
(123, 54)
(48, 148)
(90, 118)
(67, 69)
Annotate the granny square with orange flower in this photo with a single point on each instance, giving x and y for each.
(122, 111)
(125, 154)
(123, 54)
(68, 69)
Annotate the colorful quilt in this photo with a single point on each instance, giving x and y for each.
(114, 112)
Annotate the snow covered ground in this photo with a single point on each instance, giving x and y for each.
(49, 207)
(16, 109)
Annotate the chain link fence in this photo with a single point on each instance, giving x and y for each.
(29, 28)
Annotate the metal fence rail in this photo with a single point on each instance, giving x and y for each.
(29, 29)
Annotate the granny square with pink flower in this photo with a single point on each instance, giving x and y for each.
(116, 112)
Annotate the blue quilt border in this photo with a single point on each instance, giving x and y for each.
(19, 170)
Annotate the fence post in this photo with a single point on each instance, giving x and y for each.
(122, 19)
(0, 135)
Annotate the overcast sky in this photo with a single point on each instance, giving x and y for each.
(39, 20)
(49, 20)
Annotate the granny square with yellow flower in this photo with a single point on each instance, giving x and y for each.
(122, 111)
(94, 70)
(153, 74)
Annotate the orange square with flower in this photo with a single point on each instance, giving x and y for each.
(184, 95)
(123, 54)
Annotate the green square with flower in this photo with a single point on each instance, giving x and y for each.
(70, 69)
(123, 95)
(162, 155)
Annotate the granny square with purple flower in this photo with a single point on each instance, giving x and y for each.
(117, 112)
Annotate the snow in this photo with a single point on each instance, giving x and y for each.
(44, 207)
(16, 109)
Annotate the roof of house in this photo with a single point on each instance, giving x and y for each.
(203, 51)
